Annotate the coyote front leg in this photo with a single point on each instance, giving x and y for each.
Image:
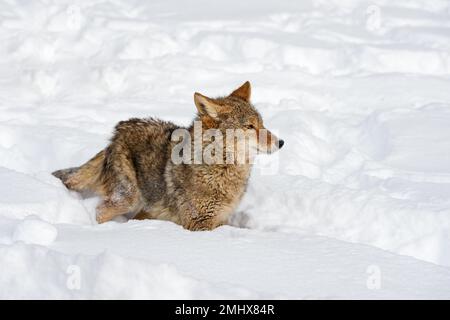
(201, 216)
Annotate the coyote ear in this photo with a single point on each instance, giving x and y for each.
(206, 106)
(244, 92)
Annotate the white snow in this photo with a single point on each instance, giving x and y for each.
(359, 91)
(34, 231)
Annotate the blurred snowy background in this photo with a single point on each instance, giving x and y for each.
(359, 91)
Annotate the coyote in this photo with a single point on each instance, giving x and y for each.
(135, 174)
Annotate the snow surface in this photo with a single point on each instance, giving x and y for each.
(155, 259)
(359, 91)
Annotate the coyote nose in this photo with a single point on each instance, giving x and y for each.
(280, 143)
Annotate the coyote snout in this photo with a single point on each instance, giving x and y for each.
(137, 173)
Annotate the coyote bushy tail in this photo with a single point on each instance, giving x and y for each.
(86, 178)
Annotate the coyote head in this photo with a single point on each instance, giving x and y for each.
(235, 113)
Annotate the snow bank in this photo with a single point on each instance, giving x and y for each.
(35, 231)
(32, 272)
(23, 195)
(357, 89)
(381, 179)
(160, 260)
